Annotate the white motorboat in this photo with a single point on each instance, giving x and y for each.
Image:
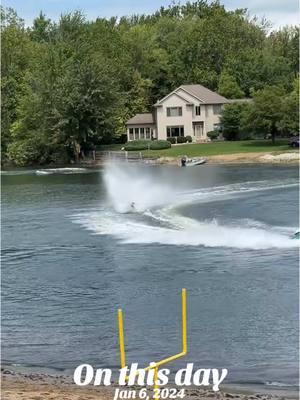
(193, 162)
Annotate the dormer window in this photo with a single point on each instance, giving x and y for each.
(198, 110)
(174, 111)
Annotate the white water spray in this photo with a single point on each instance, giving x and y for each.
(157, 218)
(126, 185)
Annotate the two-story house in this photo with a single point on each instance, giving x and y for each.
(190, 110)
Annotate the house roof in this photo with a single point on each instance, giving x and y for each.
(140, 119)
(199, 92)
(207, 96)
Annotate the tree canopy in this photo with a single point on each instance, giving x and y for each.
(272, 111)
(72, 84)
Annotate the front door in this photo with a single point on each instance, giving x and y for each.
(198, 130)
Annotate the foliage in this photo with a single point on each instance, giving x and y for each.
(266, 113)
(172, 140)
(290, 118)
(231, 120)
(71, 85)
(160, 145)
(137, 145)
(213, 135)
(16, 52)
(181, 139)
(228, 86)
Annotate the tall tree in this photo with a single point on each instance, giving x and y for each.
(265, 114)
(229, 87)
(41, 29)
(231, 120)
(290, 120)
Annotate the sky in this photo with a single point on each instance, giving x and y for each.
(279, 12)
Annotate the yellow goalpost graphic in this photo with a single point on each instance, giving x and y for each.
(158, 364)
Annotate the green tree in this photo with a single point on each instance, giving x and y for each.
(69, 99)
(285, 43)
(265, 114)
(229, 87)
(16, 53)
(41, 29)
(231, 120)
(290, 120)
(257, 68)
(30, 143)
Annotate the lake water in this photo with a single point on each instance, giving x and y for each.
(75, 249)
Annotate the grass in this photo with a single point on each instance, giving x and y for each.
(218, 148)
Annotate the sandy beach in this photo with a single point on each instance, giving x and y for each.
(35, 386)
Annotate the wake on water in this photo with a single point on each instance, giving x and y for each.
(157, 219)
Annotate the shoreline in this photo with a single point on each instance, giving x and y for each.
(255, 158)
(265, 158)
(28, 385)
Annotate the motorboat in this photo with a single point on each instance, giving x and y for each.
(185, 162)
(195, 161)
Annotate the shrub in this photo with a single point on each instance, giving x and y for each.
(172, 140)
(213, 135)
(189, 139)
(32, 150)
(181, 139)
(246, 136)
(121, 139)
(231, 135)
(137, 145)
(160, 145)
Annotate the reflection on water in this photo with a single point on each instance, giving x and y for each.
(74, 250)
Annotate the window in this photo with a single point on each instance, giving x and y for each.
(136, 133)
(217, 108)
(217, 127)
(175, 131)
(198, 110)
(174, 111)
(147, 133)
(142, 133)
(130, 133)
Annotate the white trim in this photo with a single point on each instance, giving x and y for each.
(191, 94)
(170, 94)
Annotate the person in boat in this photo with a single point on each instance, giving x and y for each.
(183, 161)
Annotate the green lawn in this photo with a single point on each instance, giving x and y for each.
(216, 148)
